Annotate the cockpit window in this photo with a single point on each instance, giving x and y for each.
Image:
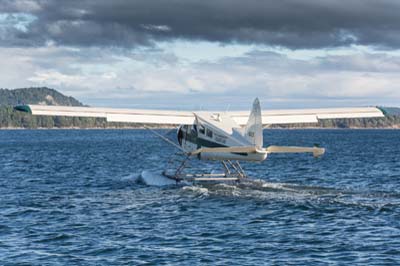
(209, 133)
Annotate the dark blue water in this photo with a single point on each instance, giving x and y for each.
(72, 197)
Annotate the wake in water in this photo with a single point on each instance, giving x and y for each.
(262, 190)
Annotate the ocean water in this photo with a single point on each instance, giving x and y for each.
(78, 197)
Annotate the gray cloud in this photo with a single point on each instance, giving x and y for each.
(120, 23)
(153, 78)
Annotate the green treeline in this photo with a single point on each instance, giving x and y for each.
(10, 118)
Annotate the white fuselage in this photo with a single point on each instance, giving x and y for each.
(213, 132)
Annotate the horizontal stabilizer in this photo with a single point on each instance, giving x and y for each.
(316, 151)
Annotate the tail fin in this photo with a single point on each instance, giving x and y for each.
(253, 130)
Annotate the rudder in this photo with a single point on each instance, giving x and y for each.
(253, 131)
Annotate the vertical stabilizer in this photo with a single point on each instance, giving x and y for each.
(253, 130)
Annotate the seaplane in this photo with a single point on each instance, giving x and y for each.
(228, 137)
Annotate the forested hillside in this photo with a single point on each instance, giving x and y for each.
(42, 95)
(13, 119)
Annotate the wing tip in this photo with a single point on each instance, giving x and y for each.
(23, 108)
(383, 110)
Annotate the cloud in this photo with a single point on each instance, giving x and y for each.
(291, 24)
(155, 78)
(25, 6)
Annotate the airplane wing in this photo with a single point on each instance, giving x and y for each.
(290, 116)
(139, 116)
(296, 116)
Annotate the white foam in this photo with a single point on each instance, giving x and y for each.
(131, 178)
(273, 185)
(156, 179)
(197, 189)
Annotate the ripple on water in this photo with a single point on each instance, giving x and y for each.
(78, 198)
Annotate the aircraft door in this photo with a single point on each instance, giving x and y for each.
(180, 135)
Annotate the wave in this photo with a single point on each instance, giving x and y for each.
(261, 190)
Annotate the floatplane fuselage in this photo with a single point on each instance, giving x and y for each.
(203, 144)
(218, 137)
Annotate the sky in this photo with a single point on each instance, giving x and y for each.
(208, 54)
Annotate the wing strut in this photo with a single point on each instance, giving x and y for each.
(166, 140)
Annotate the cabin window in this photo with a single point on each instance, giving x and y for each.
(209, 133)
(202, 130)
